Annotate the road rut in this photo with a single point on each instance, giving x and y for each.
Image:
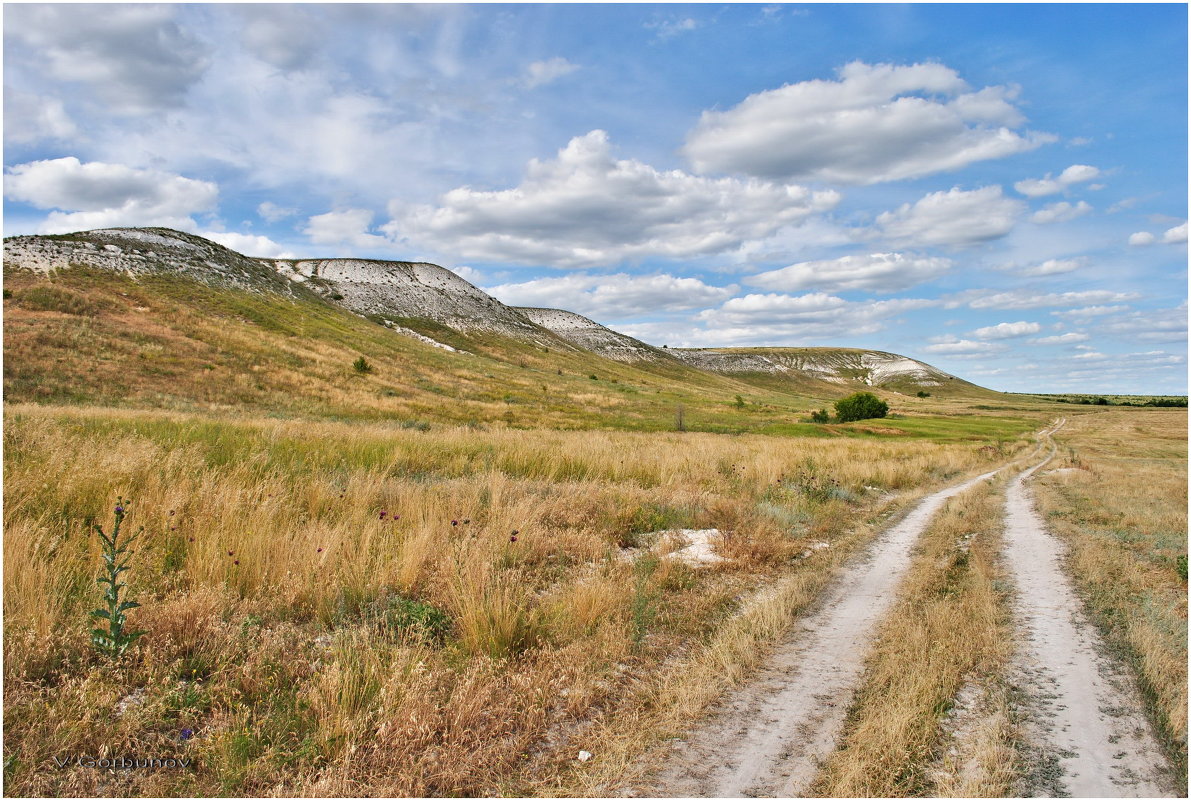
(769, 737)
(1085, 712)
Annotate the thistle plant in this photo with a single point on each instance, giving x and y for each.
(116, 640)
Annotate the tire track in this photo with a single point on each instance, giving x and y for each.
(1085, 719)
(769, 737)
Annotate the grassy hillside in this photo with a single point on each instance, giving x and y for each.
(94, 337)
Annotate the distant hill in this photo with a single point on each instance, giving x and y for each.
(591, 336)
(844, 367)
(159, 317)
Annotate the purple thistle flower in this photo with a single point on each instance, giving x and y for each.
(119, 510)
(186, 734)
(382, 514)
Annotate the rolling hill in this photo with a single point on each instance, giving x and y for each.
(158, 318)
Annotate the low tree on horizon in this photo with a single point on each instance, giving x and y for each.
(860, 406)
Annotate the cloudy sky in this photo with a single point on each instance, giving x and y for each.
(998, 190)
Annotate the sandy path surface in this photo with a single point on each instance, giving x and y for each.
(769, 737)
(1086, 720)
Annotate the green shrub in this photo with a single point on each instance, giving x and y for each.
(362, 366)
(422, 621)
(820, 416)
(860, 406)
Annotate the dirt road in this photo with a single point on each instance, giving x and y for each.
(768, 738)
(1086, 722)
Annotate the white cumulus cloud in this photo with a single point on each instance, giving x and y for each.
(613, 297)
(1051, 267)
(586, 208)
(876, 123)
(1061, 212)
(964, 348)
(1007, 330)
(1040, 187)
(880, 272)
(261, 247)
(100, 195)
(1176, 234)
(1171, 236)
(954, 217)
(349, 226)
(1061, 339)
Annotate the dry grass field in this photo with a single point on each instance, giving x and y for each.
(371, 609)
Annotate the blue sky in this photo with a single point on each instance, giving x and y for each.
(999, 190)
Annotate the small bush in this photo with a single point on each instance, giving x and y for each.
(362, 366)
(739, 402)
(923, 394)
(422, 621)
(820, 416)
(860, 406)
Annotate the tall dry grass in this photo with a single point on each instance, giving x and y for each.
(1119, 500)
(274, 589)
